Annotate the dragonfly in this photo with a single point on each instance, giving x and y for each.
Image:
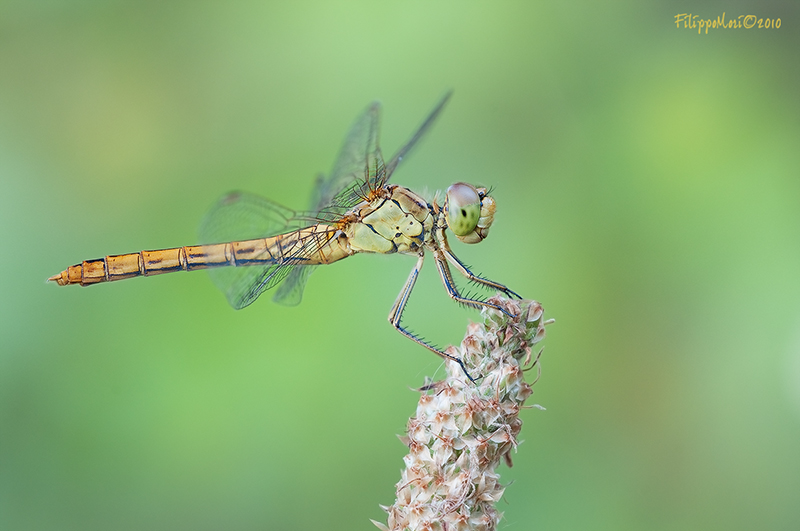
(250, 244)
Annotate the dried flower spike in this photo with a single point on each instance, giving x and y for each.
(462, 430)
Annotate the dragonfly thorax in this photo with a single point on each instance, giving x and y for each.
(397, 221)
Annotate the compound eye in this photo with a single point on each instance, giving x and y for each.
(463, 208)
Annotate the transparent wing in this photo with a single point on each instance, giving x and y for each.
(290, 293)
(244, 289)
(347, 185)
(243, 216)
(360, 168)
(238, 216)
(426, 125)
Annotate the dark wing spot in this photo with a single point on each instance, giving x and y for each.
(231, 198)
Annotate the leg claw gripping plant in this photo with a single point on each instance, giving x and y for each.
(462, 429)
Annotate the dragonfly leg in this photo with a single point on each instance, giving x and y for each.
(452, 291)
(396, 314)
(464, 270)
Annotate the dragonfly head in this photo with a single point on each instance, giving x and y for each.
(469, 212)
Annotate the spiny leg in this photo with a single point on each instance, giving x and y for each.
(396, 314)
(453, 259)
(452, 291)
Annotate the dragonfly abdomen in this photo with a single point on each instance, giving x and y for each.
(144, 263)
(285, 248)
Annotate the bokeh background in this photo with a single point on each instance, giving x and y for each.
(648, 195)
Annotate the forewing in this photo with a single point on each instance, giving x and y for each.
(358, 169)
(426, 125)
(339, 191)
(346, 185)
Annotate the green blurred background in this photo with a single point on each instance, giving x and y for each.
(647, 185)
